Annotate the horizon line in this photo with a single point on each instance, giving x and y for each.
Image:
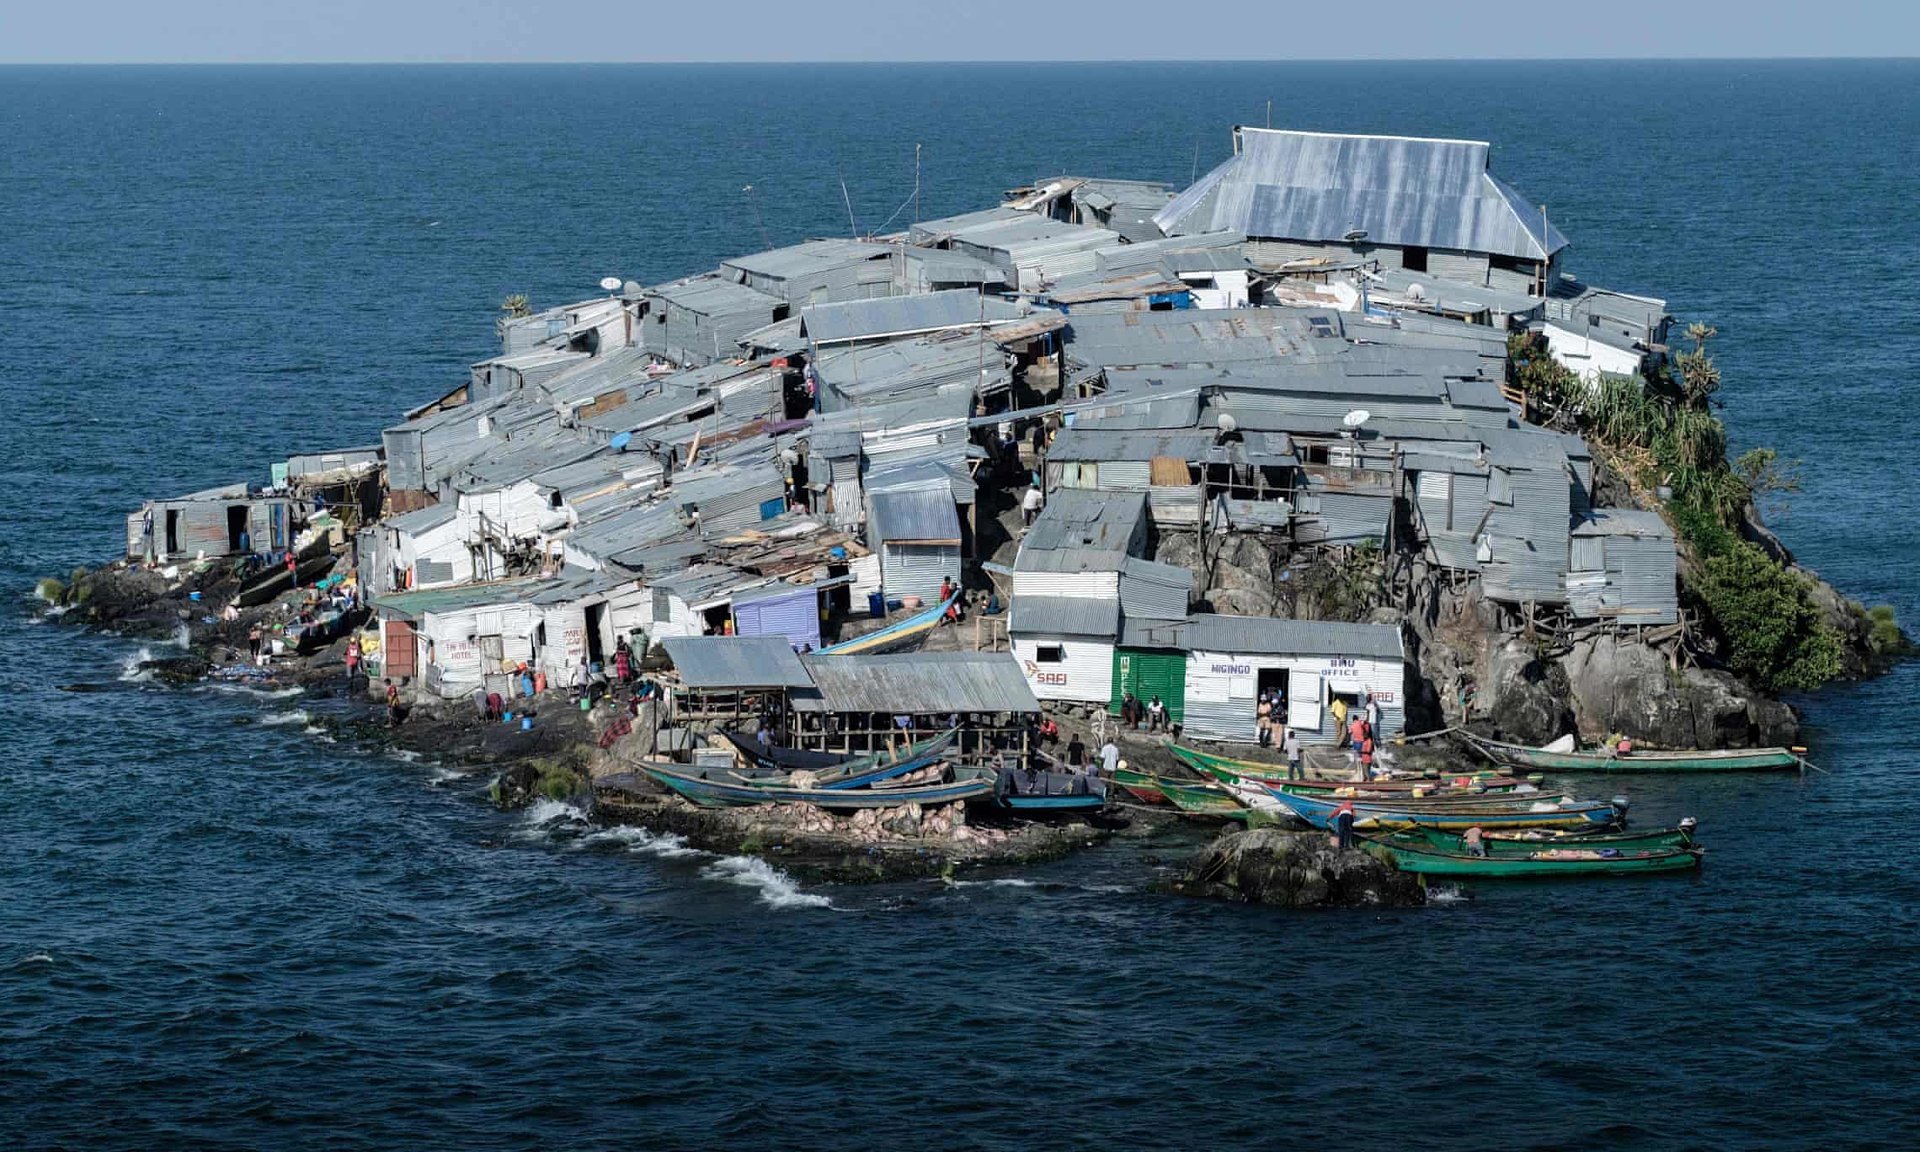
(1318, 59)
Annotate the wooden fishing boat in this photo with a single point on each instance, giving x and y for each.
(1275, 775)
(1019, 790)
(900, 634)
(1639, 760)
(718, 788)
(859, 771)
(1548, 860)
(1143, 786)
(1546, 811)
(1203, 799)
(774, 758)
(1529, 841)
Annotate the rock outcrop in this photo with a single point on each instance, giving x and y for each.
(1630, 689)
(1295, 870)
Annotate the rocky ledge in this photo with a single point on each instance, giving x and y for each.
(1295, 870)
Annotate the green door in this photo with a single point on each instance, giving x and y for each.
(1147, 673)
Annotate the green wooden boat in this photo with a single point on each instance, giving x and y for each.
(1639, 760)
(1551, 860)
(1202, 799)
(1528, 842)
(1143, 786)
(1275, 776)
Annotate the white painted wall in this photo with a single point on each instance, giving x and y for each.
(1090, 585)
(1589, 358)
(1086, 673)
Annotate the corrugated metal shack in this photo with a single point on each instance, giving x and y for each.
(216, 522)
(1623, 568)
(861, 703)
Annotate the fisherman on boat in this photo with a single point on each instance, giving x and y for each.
(1474, 841)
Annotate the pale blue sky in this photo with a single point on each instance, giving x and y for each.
(161, 31)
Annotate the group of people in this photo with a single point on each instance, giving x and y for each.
(1358, 728)
(1133, 713)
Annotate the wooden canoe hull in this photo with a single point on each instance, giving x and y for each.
(1228, 769)
(1142, 786)
(1568, 862)
(894, 637)
(1203, 799)
(872, 768)
(968, 784)
(1577, 814)
(1517, 845)
(1709, 760)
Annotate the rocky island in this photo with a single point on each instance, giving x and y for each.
(1106, 461)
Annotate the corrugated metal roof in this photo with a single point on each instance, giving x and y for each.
(730, 662)
(414, 605)
(1154, 591)
(712, 295)
(1194, 445)
(1624, 522)
(1064, 616)
(1207, 632)
(920, 683)
(921, 516)
(1399, 190)
(422, 519)
(887, 371)
(1077, 519)
(893, 316)
(807, 258)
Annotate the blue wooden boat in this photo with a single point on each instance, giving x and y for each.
(1542, 811)
(1019, 790)
(895, 636)
(862, 771)
(718, 788)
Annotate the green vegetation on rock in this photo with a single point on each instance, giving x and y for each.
(1662, 433)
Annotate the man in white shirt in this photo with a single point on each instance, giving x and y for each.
(1109, 757)
(1030, 505)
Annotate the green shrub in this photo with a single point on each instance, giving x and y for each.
(1765, 613)
(1883, 632)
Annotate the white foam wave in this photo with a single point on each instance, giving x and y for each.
(443, 775)
(130, 669)
(319, 733)
(405, 755)
(183, 637)
(544, 812)
(277, 719)
(667, 845)
(1448, 894)
(35, 958)
(777, 889)
(257, 693)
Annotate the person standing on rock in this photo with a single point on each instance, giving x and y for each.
(1076, 753)
(352, 660)
(253, 643)
(393, 705)
(1342, 825)
(1291, 745)
(578, 685)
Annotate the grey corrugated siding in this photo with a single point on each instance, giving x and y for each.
(1152, 598)
(918, 569)
(1646, 570)
(406, 469)
(1529, 539)
(1125, 475)
(1231, 720)
(1465, 267)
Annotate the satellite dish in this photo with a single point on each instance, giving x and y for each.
(1416, 293)
(1226, 422)
(1356, 418)
(621, 440)
(611, 283)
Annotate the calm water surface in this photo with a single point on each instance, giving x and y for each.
(219, 931)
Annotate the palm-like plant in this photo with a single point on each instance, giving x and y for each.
(517, 306)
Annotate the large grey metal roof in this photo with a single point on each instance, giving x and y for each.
(919, 683)
(1623, 522)
(891, 316)
(1065, 616)
(1078, 519)
(712, 295)
(727, 662)
(806, 258)
(920, 516)
(1266, 635)
(1399, 190)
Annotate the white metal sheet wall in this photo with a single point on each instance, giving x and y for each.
(1085, 673)
(1091, 585)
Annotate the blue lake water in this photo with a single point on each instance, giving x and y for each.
(219, 931)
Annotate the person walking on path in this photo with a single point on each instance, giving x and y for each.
(1076, 753)
(1030, 505)
(353, 660)
(1109, 758)
(1339, 710)
(577, 686)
